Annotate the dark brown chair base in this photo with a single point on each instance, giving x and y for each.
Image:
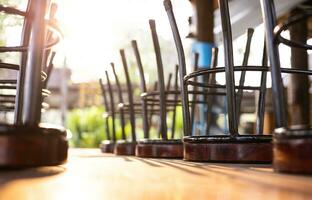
(24, 146)
(293, 151)
(240, 149)
(107, 146)
(126, 148)
(159, 149)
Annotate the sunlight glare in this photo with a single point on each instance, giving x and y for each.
(94, 30)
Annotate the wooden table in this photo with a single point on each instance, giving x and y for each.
(92, 175)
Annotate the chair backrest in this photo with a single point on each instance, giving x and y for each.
(107, 108)
(268, 10)
(112, 106)
(211, 88)
(161, 82)
(121, 101)
(130, 95)
(273, 39)
(35, 50)
(143, 88)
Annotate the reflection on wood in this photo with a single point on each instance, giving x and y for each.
(92, 175)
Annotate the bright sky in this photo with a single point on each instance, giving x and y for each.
(94, 30)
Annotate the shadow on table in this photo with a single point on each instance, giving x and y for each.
(165, 162)
(125, 158)
(258, 174)
(12, 174)
(261, 175)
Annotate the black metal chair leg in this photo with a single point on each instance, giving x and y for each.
(239, 94)
(164, 147)
(194, 96)
(161, 82)
(175, 100)
(292, 146)
(112, 106)
(143, 88)
(210, 98)
(121, 101)
(27, 143)
(124, 147)
(106, 146)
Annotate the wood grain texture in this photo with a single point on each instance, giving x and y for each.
(237, 153)
(292, 150)
(89, 174)
(125, 148)
(293, 155)
(240, 149)
(27, 146)
(107, 146)
(159, 149)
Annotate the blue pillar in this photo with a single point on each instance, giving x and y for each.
(204, 49)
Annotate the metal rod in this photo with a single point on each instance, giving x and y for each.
(172, 102)
(169, 82)
(194, 96)
(112, 105)
(229, 66)
(220, 86)
(8, 81)
(175, 104)
(49, 70)
(182, 67)
(11, 10)
(152, 106)
(106, 108)
(130, 94)
(49, 34)
(33, 84)
(239, 94)
(245, 68)
(143, 88)
(262, 94)
(18, 112)
(192, 92)
(9, 66)
(161, 82)
(168, 88)
(121, 110)
(269, 18)
(212, 80)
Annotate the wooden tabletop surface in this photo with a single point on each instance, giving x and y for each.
(90, 174)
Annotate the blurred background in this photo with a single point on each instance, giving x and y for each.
(94, 31)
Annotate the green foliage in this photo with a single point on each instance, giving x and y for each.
(87, 127)
(178, 123)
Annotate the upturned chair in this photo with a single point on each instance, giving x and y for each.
(229, 146)
(28, 143)
(292, 143)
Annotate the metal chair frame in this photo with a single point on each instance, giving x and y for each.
(18, 139)
(230, 147)
(167, 100)
(291, 145)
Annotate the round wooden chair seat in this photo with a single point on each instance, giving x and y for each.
(153, 148)
(292, 151)
(239, 149)
(24, 146)
(107, 146)
(124, 147)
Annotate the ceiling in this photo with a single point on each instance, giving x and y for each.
(247, 13)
